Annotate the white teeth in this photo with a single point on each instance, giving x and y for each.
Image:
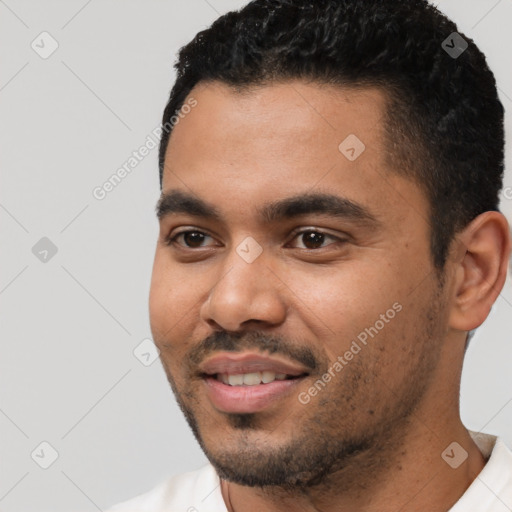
(250, 379)
(267, 377)
(235, 380)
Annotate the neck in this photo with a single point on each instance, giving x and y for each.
(411, 475)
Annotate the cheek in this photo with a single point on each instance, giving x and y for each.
(158, 300)
(171, 299)
(343, 301)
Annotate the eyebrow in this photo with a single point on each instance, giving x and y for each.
(176, 202)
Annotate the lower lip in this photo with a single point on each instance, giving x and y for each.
(247, 399)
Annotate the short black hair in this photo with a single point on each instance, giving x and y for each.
(444, 120)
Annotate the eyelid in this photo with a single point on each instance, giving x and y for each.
(305, 229)
(170, 238)
(302, 230)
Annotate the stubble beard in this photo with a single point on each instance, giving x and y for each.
(322, 453)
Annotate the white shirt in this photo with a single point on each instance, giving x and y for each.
(199, 491)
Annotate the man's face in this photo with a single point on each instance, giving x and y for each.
(339, 296)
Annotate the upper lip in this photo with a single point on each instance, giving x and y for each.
(237, 363)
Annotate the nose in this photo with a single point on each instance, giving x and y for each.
(245, 293)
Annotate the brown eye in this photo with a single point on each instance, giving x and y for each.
(314, 239)
(192, 239)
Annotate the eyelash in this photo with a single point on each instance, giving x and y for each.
(172, 240)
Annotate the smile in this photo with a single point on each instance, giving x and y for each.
(251, 379)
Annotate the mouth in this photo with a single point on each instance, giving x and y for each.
(249, 382)
(252, 379)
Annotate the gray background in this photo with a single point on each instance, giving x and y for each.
(69, 326)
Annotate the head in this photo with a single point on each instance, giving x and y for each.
(347, 118)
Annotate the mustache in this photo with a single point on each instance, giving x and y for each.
(237, 342)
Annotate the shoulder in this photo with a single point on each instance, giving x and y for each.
(186, 492)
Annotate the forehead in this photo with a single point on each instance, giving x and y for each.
(237, 148)
(311, 118)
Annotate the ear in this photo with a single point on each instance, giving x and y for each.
(481, 261)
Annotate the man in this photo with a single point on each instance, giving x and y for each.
(329, 235)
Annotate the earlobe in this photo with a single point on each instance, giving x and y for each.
(482, 258)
